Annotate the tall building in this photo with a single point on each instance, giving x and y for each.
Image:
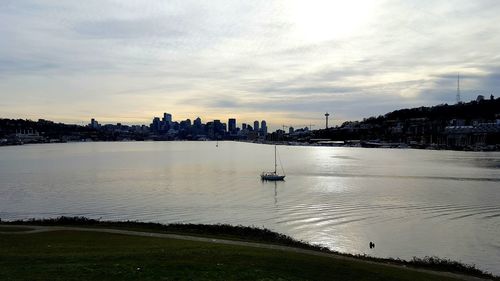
(219, 128)
(94, 124)
(184, 125)
(156, 125)
(244, 126)
(231, 125)
(263, 127)
(167, 117)
(210, 129)
(197, 122)
(256, 125)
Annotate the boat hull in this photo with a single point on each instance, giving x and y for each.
(272, 177)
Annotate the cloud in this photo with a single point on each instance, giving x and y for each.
(128, 29)
(274, 59)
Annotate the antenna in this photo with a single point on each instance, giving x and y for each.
(458, 88)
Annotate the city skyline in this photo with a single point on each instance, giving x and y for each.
(232, 124)
(288, 62)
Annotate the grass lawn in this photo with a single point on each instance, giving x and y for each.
(75, 255)
(14, 229)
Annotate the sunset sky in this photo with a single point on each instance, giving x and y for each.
(284, 61)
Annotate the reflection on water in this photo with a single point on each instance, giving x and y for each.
(409, 202)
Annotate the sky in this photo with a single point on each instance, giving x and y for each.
(287, 62)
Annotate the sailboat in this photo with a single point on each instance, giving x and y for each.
(273, 176)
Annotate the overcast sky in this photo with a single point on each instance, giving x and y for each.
(284, 61)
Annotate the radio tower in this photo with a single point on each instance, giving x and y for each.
(458, 88)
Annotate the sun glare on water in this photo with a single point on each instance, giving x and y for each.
(322, 20)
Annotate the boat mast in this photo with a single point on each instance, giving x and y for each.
(275, 165)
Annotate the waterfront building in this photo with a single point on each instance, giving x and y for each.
(29, 136)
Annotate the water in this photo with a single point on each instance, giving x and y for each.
(409, 202)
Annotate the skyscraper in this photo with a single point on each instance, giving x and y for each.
(232, 125)
(256, 125)
(197, 122)
(263, 127)
(94, 124)
(219, 128)
(156, 125)
(167, 117)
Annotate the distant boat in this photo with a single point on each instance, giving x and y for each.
(273, 176)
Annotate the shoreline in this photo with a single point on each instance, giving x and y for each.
(332, 144)
(240, 234)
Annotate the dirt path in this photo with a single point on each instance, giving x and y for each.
(38, 229)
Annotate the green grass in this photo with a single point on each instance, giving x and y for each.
(222, 231)
(253, 234)
(74, 255)
(14, 229)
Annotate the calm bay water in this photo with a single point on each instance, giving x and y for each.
(409, 202)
